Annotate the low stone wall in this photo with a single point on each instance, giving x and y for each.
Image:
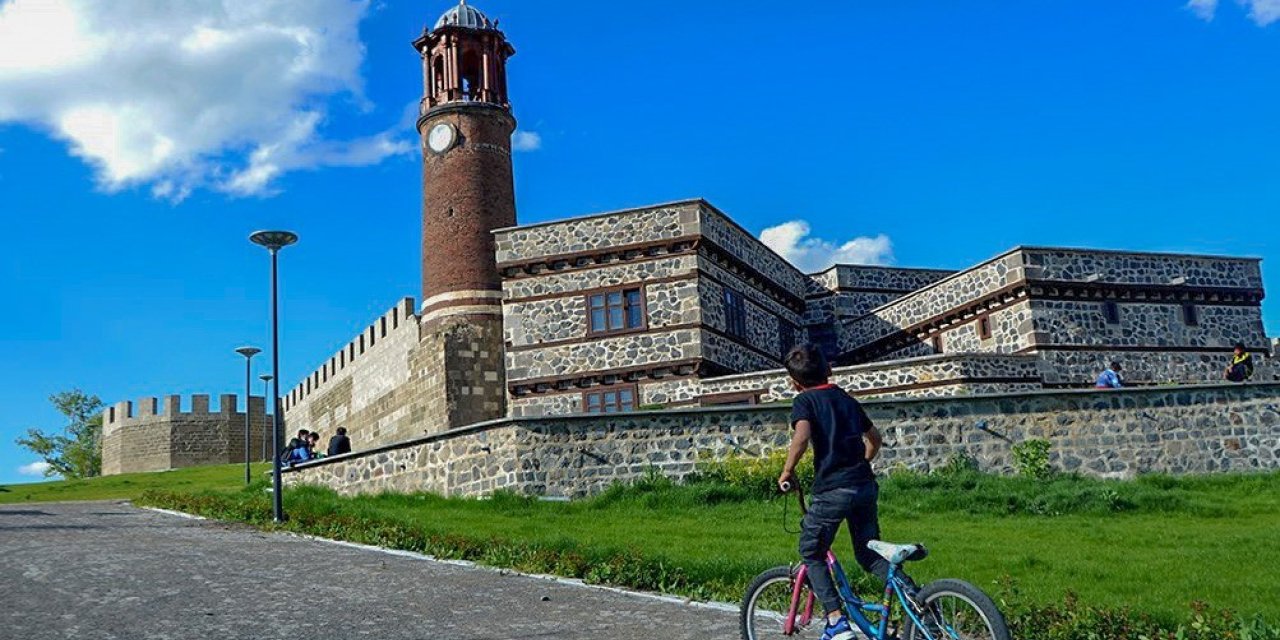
(928, 376)
(1119, 433)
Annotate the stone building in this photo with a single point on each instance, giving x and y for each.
(675, 304)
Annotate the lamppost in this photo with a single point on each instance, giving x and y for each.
(248, 353)
(266, 393)
(274, 241)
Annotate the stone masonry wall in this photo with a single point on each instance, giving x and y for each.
(1101, 433)
(155, 436)
(364, 386)
(721, 230)
(1012, 329)
(945, 294)
(596, 232)
(1177, 272)
(603, 354)
(929, 376)
(1068, 322)
(1121, 267)
(459, 377)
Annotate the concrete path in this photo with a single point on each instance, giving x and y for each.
(110, 570)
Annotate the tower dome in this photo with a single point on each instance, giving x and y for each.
(465, 16)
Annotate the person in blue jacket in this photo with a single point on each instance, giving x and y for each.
(1110, 377)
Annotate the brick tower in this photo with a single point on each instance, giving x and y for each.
(467, 191)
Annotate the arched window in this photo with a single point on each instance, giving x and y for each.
(470, 75)
(437, 77)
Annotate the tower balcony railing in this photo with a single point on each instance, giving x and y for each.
(457, 95)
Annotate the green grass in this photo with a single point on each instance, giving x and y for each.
(1154, 545)
(1170, 542)
(130, 485)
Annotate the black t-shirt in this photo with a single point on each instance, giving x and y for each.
(837, 423)
(339, 445)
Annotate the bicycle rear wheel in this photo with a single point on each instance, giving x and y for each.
(957, 610)
(766, 603)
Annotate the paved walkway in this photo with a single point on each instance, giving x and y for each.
(110, 570)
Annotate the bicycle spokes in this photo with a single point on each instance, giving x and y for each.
(952, 618)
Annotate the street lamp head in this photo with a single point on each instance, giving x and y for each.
(273, 240)
(266, 377)
(248, 352)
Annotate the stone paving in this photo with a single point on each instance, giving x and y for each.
(109, 570)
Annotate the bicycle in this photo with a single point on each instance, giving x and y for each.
(944, 609)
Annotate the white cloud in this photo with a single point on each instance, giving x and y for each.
(791, 240)
(34, 469)
(1262, 12)
(526, 141)
(221, 94)
(1204, 9)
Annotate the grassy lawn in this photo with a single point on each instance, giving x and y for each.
(1154, 545)
(1157, 563)
(228, 477)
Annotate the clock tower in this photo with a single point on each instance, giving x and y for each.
(465, 123)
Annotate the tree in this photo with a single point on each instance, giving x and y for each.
(77, 453)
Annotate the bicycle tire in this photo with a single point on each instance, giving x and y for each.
(933, 592)
(749, 600)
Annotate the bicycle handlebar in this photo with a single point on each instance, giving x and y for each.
(788, 487)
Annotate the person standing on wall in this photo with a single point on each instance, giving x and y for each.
(340, 444)
(1241, 367)
(1110, 377)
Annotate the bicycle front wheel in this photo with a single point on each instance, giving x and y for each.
(957, 610)
(766, 605)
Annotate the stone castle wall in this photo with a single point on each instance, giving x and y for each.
(1121, 433)
(683, 257)
(929, 376)
(364, 386)
(1175, 316)
(925, 376)
(918, 307)
(568, 240)
(1189, 276)
(1133, 268)
(845, 291)
(154, 435)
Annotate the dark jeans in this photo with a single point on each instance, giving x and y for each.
(827, 510)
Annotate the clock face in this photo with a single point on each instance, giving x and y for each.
(441, 137)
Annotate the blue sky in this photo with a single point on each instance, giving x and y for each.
(131, 174)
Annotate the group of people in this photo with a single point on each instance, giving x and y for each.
(306, 446)
(1240, 369)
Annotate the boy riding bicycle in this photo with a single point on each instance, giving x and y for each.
(844, 487)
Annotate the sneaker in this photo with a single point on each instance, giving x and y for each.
(839, 631)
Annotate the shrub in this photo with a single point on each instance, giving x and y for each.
(959, 462)
(757, 475)
(1031, 458)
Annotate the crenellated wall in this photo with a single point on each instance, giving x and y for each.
(365, 386)
(1198, 429)
(155, 435)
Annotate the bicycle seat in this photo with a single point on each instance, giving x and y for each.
(898, 553)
